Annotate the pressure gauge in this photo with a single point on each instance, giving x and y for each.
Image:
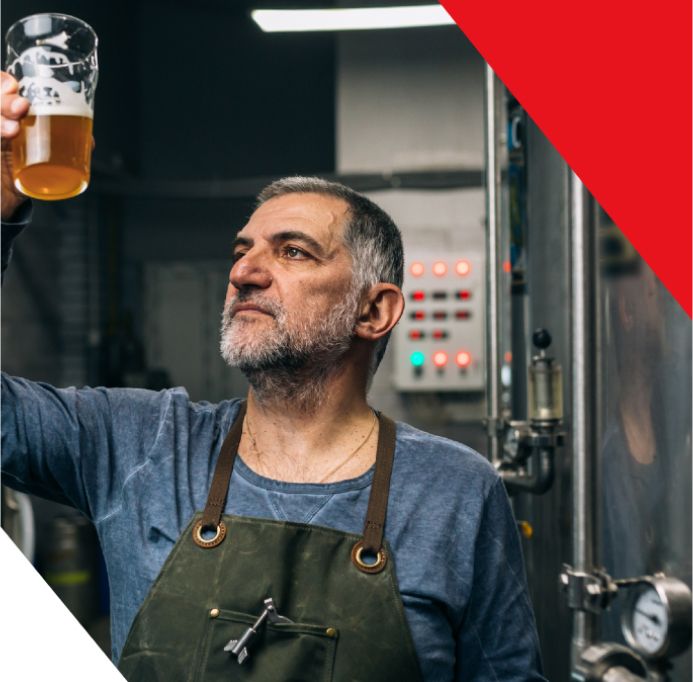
(657, 620)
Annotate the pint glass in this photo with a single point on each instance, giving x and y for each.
(53, 58)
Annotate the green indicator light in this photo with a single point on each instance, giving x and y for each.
(417, 358)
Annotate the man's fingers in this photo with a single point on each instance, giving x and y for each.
(8, 127)
(14, 106)
(12, 109)
(8, 84)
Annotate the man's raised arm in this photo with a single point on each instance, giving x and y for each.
(14, 207)
(73, 445)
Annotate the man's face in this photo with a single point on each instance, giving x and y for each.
(290, 298)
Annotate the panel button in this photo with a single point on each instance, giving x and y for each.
(417, 358)
(463, 359)
(463, 267)
(440, 358)
(417, 269)
(440, 269)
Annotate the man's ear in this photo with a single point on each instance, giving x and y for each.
(380, 310)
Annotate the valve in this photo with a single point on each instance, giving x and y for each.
(610, 662)
(545, 384)
(656, 624)
(529, 446)
(541, 339)
(592, 592)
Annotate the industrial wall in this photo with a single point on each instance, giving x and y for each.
(413, 101)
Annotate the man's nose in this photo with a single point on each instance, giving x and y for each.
(250, 271)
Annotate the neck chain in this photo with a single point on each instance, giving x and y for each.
(259, 457)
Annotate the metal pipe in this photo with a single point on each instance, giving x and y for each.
(493, 270)
(583, 399)
(621, 674)
(538, 481)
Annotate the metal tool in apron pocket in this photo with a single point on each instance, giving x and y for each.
(239, 647)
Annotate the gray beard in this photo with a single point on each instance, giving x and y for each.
(290, 364)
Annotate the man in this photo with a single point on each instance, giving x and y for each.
(279, 563)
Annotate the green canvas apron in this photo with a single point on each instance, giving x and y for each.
(338, 590)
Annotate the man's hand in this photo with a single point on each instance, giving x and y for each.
(12, 109)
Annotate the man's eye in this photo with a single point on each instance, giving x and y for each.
(237, 255)
(294, 252)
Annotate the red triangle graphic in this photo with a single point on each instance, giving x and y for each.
(609, 84)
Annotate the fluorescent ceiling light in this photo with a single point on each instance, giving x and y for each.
(356, 19)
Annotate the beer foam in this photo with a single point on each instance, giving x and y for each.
(51, 97)
(60, 110)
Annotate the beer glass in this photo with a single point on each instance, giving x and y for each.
(53, 58)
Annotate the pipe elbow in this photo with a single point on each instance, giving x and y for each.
(539, 481)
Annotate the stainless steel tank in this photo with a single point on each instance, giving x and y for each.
(644, 442)
(638, 496)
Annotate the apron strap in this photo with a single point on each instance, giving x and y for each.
(377, 504)
(219, 490)
(380, 488)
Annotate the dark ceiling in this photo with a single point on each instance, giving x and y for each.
(195, 90)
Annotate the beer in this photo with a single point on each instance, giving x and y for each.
(53, 59)
(51, 154)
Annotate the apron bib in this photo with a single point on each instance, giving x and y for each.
(269, 601)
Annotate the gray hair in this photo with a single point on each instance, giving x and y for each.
(373, 239)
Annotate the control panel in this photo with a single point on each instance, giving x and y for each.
(439, 342)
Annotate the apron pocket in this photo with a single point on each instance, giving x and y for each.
(292, 652)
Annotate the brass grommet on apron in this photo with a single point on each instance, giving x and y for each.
(213, 541)
(376, 567)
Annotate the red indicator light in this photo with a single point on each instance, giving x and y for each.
(440, 269)
(439, 334)
(416, 335)
(463, 359)
(464, 295)
(440, 358)
(463, 267)
(418, 295)
(418, 315)
(440, 315)
(508, 356)
(417, 269)
(463, 314)
(507, 267)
